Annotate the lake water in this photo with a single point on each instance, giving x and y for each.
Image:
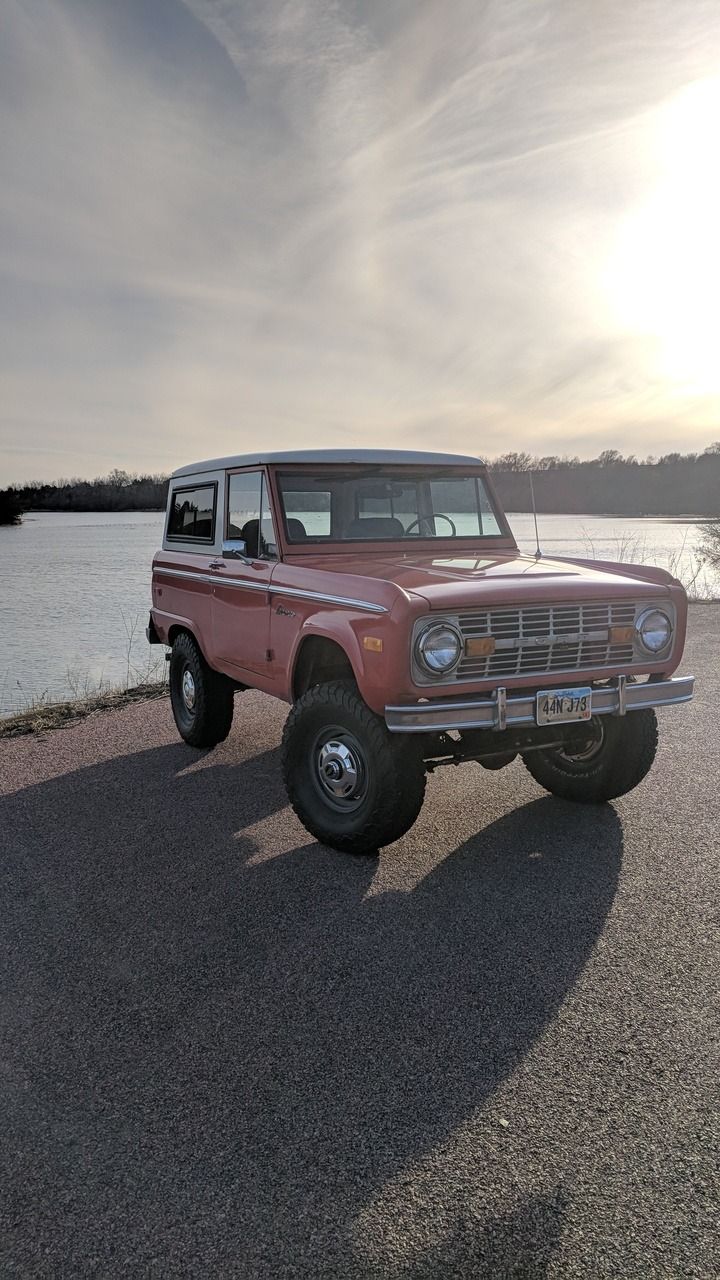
(75, 590)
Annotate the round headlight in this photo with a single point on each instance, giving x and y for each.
(439, 648)
(654, 629)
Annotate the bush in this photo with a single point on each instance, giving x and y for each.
(10, 508)
(710, 545)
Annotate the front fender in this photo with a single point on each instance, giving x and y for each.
(369, 641)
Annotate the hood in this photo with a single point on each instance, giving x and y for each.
(455, 582)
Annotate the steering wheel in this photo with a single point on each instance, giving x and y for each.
(437, 515)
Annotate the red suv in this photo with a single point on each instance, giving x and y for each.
(383, 595)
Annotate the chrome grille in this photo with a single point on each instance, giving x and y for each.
(546, 638)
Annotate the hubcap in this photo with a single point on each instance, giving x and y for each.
(188, 690)
(340, 770)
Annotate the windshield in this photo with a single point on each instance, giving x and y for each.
(377, 504)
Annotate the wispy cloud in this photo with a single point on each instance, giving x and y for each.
(225, 224)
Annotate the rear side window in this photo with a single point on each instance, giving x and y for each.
(192, 514)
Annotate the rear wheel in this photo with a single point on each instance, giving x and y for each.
(202, 699)
(352, 784)
(615, 757)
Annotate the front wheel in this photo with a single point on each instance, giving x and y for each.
(352, 784)
(617, 755)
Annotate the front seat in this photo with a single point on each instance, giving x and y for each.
(296, 530)
(250, 534)
(376, 527)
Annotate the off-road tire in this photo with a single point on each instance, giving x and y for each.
(394, 773)
(622, 759)
(208, 721)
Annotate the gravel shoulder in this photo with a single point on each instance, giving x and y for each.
(226, 1050)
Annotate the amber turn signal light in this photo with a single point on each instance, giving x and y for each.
(480, 647)
(373, 643)
(622, 635)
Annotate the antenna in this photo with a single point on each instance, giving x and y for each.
(538, 552)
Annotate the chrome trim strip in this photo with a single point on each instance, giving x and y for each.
(213, 578)
(197, 575)
(320, 595)
(622, 695)
(485, 713)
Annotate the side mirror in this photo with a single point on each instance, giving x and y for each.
(234, 549)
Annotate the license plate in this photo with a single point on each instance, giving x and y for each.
(558, 706)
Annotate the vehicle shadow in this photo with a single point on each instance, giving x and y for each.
(518, 1245)
(222, 1050)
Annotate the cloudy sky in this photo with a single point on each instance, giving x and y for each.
(473, 224)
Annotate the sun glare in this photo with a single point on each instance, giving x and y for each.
(664, 273)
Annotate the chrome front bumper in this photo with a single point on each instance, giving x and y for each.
(502, 711)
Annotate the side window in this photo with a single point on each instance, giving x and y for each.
(249, 516)
(192, 513)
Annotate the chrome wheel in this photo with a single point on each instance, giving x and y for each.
(188, 689)
(340, 771)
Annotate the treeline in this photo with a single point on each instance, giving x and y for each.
(673, 485)
(118, 491)
(10, 508)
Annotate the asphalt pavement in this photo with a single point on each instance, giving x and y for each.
(228, 1051)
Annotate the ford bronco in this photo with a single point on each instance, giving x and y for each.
(383, 595)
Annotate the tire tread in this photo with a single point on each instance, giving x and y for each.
(399, 801)
(214, 700)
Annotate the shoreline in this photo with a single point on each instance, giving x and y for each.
(56, 715)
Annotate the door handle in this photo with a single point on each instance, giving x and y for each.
(217, 564)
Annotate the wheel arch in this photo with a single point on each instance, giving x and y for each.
(184, 628)
(319, 659)
(177, 629)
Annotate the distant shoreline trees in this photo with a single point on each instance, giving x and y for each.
(119, 491)
(10, 507)
(673, 485)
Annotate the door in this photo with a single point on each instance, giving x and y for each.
(240, 593)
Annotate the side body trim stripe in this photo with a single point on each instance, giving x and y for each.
(297, 592)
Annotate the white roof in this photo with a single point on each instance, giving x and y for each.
(397, 457)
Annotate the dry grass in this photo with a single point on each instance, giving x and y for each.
(42, 716)
(693, 569)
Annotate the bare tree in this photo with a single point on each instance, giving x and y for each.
(710, 542)
(513, 462)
